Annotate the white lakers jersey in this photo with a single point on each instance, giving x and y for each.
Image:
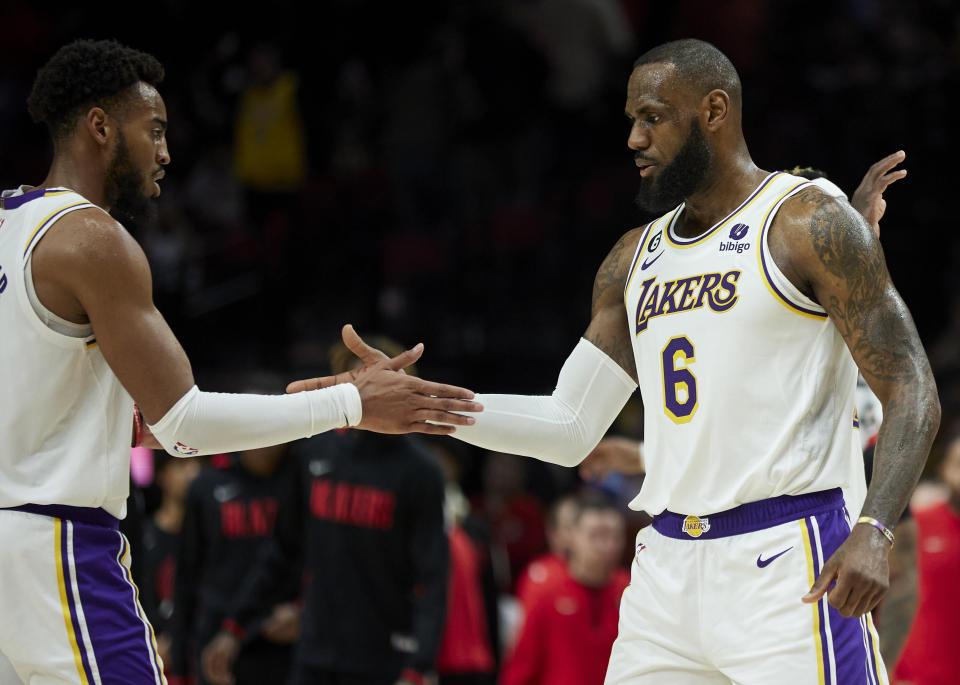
(747, 385)
(65, 420)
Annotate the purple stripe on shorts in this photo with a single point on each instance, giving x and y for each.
(117, 632)
(95, 517)
(68, 587)
(852, 659)
(749, 517)
(817, 565)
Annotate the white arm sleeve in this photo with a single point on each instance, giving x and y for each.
(561, 428)
(212, 422)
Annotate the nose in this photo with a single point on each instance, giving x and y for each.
(163, 154)
(639, 138)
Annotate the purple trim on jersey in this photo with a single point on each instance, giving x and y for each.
(18, 200)
(677, 240)
(817, 564)
(118, 632)
(752, 516)
(88, 515)
(855, 663)
(766, 271)
(71, 601)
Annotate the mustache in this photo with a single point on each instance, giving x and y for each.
(637, 157)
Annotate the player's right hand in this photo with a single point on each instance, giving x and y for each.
(394, 402)
(612, 455)
(218, 658)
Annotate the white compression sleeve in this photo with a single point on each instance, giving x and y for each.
(212, 422)
(561, 428)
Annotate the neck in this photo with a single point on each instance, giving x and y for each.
(169, 516)
(729, 185)
(591, 576)
(67, 172)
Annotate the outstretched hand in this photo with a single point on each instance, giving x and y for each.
(394, 402)
(868, 197)
(860, 569)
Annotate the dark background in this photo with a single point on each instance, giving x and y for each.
(468, 168)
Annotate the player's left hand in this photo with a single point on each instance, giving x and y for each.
(868, 197)
(861, 571)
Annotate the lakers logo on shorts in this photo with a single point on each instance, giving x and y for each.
(694, 526)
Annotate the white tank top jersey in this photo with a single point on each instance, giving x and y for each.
(748, 387)
(65, 420)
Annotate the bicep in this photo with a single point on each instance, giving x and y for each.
(107, 271)
(847, 273)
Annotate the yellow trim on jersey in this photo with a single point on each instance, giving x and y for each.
(91, 344)
(686, 366)
(48, 217)
(65, 606)
(811, 577)
(644, 241)
(763, 274)
(760, 190)
(124, 562)
(876, 651)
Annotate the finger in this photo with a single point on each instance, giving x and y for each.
(431, 428)
(843, 596)
(821, 584)
(888, 162)
(443, 417)
(354, 343)
(447, 404)
(891, 178)
(311, 384)
(405, 359)
(444, 390)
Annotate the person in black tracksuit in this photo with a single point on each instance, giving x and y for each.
(230, 513)
(365, 514)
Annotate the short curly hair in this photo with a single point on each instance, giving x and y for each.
(84, 74)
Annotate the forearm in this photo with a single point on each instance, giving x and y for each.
(911, 417)
(209, 423)
(561, 428)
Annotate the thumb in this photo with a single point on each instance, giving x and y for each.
(355, 344)
(405, 359)
(822, 583)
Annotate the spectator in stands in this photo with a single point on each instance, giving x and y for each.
(231, 510)
(363, 514)
(568, 632)
(160, 539)
(930, 655)
(543, 571)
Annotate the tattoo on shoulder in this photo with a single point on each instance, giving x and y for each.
(613, 271)
(867, 314)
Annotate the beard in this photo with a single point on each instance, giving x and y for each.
(681, 178)
(124, 189)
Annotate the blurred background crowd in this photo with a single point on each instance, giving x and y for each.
(453, 172)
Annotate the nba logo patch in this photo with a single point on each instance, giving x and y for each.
(184, 450)
(641, 547)
(694, 526)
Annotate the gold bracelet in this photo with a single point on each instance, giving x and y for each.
(887, 533)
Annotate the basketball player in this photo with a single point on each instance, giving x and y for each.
(743, 313)
(80, 340)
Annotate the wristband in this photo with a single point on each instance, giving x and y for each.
(233, 628)
(137, 427)
(887, 533)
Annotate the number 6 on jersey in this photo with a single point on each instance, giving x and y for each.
(679, 383)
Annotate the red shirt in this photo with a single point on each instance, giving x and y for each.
(930, 655)
(540, 575)
(465, 645)
(567, 634)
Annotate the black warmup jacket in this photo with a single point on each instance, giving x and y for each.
(364, 512)
(229, 515)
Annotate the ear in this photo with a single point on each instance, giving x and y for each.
(715, 109)
(98, 125)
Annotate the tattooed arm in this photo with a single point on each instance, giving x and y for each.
(829, 252)
(609, 328)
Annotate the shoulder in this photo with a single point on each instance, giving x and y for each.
(621, 254)
(612, 275)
